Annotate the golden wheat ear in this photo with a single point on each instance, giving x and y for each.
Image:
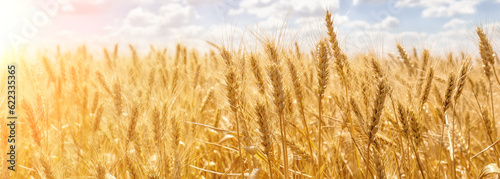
(323, 73)
(463, 76)
(299, 96)
(257, 72)
(278, 94)
(265, 135)
(406, 58)
(427, 87)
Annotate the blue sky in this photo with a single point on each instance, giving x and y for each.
(363, 25)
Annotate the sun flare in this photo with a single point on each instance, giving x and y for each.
(11, 13)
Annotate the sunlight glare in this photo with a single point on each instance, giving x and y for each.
(11, 13)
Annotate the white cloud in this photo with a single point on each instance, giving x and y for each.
(141, 17)
(170, 24)
(433, 8)
(424, 3)
(442, 8)
(357, 2)
(388, 23)
(168, 16)
(382, 42)
(454, 24)
(461, 7)
(358, 24)
(176, 14)
(281, 8)
(411, 35)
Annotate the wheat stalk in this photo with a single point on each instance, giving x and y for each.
(278, 97)
(323, 72)
(266, 140)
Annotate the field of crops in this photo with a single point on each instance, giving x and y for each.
(274, 113)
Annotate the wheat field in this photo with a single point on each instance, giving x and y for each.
(274, 113)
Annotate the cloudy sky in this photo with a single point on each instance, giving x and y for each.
(367, 25)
